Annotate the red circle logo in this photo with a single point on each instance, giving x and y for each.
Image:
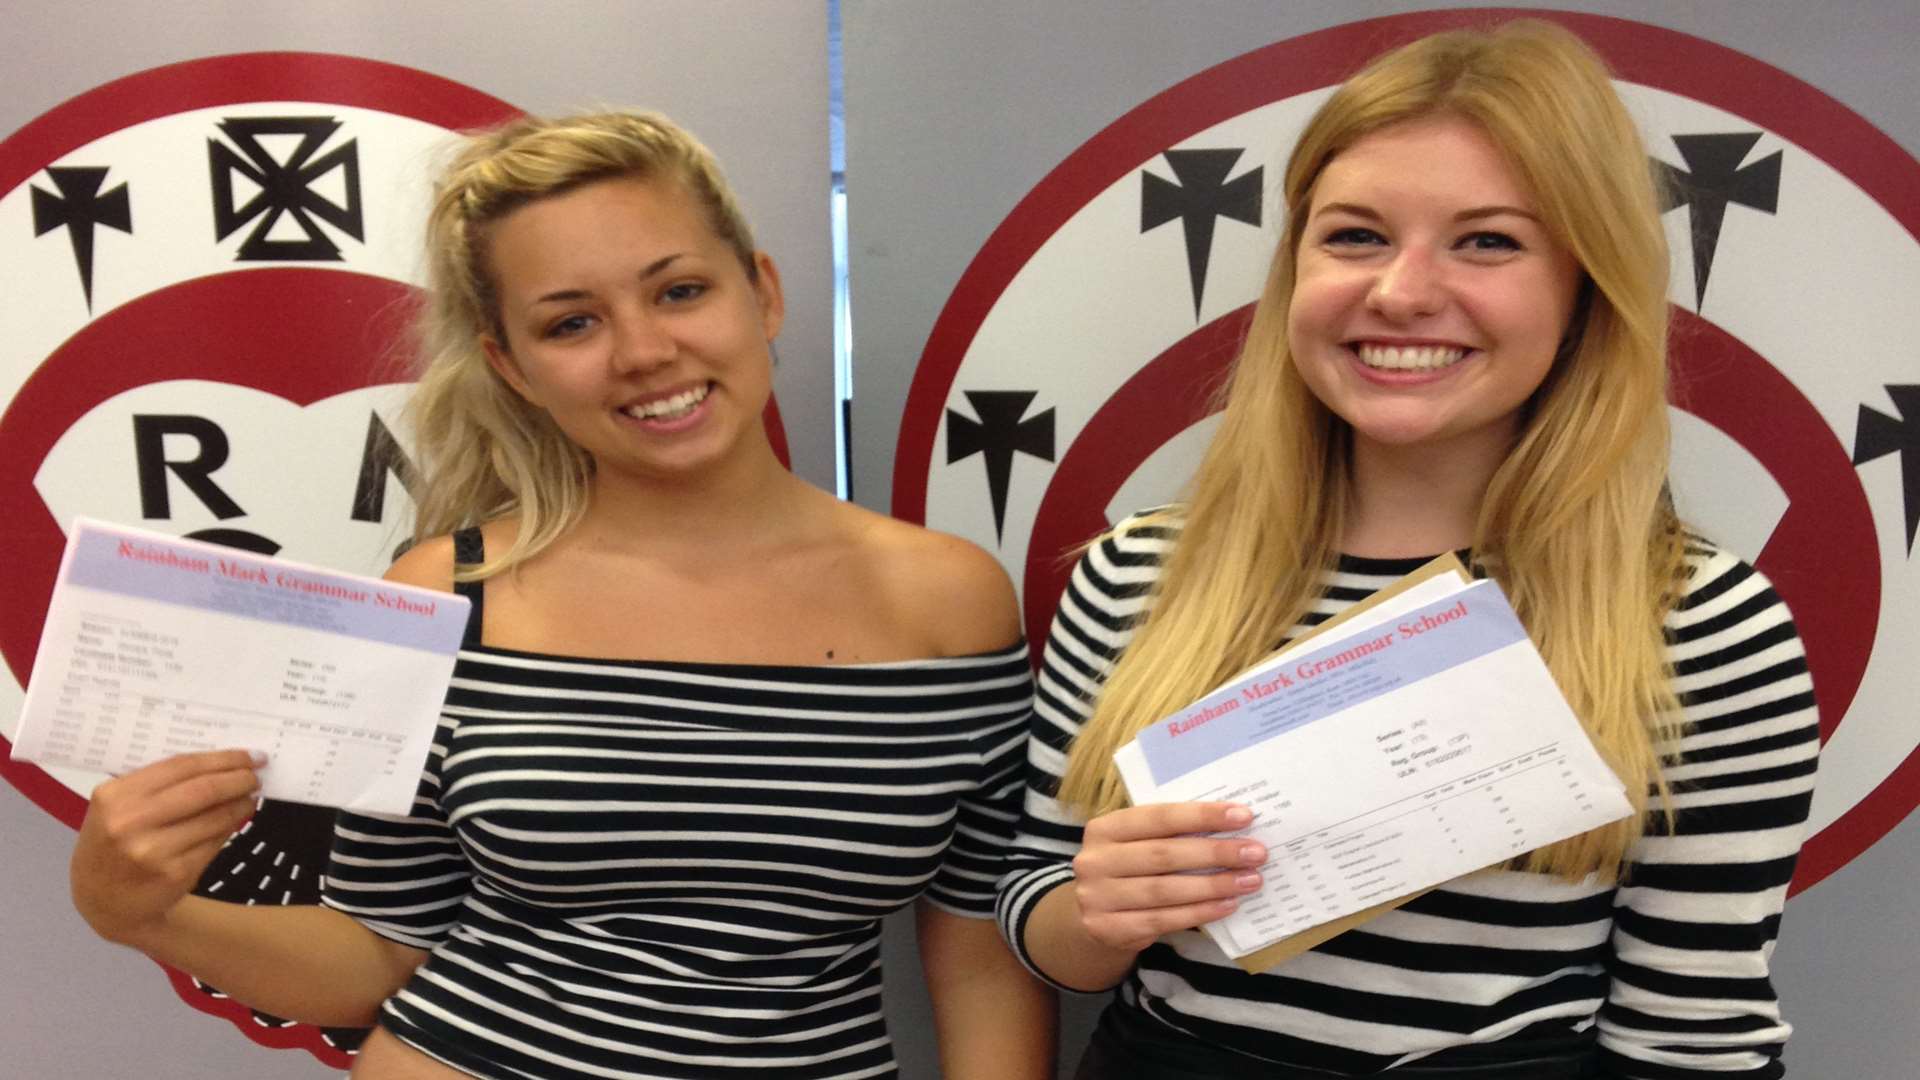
(213, 265)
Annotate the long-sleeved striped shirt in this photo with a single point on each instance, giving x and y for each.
(1671, 964)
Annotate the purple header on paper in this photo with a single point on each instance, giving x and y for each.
(213, 578)
(1426, 641)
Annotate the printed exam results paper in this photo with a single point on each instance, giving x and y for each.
(155, 646)
(1416, 741)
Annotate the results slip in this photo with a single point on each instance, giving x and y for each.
(155, 646)
(1419, 741)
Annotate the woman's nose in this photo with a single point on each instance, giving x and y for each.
(641, 341)
(1408, 287)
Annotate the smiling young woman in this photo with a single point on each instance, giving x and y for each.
(709, 724)
(637, 328)
(1429, 303)
(1460, 346)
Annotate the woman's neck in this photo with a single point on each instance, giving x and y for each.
(1415, 501)
(743, 503)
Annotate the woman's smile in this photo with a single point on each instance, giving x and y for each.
(671, 411)
(1382, 358)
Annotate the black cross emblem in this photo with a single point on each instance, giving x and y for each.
(996, 436)
(286, 188)
(1203, 194)
(1714, 178)
(1877, 435)
(79, 208)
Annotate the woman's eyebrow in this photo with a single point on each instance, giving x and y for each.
(660, 264)
(1355, 209)
(1479, 212)
(568, 295)
(1475, 213)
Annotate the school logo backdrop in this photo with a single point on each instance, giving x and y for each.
(1066, 382)
(208, 269)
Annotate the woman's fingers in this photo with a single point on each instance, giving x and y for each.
(169, 771)
(155, 818)
(1150, 858)
(176, 792)
(1159, 820)
(1150, 870)
(1167, 838)
(217, 826)
(1167, 890)
(211, 826)
(1136, 930)
(150, 834)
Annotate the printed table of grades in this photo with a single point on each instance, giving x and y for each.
(1424, 741)
(156, 646)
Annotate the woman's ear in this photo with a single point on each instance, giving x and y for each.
(766, 285)
(503, 365)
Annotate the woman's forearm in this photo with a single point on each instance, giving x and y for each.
(303, 962)
(1059, 945)
(994, 1019)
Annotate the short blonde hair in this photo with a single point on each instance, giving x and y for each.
(484, 450)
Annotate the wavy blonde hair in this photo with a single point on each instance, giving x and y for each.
(1576, 525)
(484, 451)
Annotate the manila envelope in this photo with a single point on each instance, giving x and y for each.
(1290, 947)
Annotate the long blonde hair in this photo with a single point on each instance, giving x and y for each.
(1576, 524)
(484, 450)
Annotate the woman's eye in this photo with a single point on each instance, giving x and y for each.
(683, 291)
(1353, 236)
(567, 327)
(1489, 241)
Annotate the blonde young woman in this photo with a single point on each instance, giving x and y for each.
(1461, 346)
(710, 724)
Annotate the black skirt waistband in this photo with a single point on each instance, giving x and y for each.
(1131, 1045)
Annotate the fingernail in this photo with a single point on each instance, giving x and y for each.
(258, 757)
(1238, 816)
(1252, 853)
(1247, 882)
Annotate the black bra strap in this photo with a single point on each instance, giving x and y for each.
(470, 549)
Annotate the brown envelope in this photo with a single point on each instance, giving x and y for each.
(1289, 947)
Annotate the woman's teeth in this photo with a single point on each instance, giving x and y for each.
(672, 408)
(1409, 357)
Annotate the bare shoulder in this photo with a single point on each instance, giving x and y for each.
(940, 585)
(427, 565)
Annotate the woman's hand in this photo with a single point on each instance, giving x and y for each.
(150, 834)
(1147, 871)
(148, 837)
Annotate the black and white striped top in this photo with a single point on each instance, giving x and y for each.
(1671, 966)
(634, 869)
